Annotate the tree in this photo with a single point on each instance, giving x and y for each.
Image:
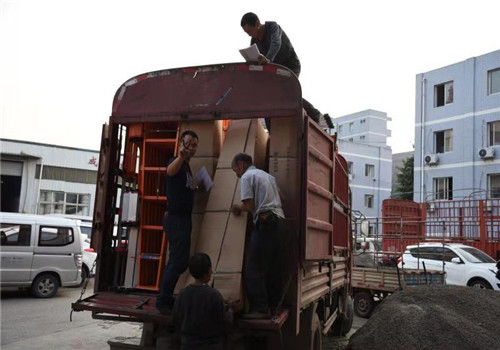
(404, 178)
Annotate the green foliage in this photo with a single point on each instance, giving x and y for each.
(405, 180)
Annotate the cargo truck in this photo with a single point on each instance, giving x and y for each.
(225, 104)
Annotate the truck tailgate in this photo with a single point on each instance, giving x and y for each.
(138, 307)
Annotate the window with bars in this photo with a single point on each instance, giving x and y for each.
(443, 141)
(494, 133)
(54, 202)
(443, 188)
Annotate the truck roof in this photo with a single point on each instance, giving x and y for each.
(234, 90)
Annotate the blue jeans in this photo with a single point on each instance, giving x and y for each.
(262, 267)
(177, 228)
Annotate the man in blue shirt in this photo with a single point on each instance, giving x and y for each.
(177, 220)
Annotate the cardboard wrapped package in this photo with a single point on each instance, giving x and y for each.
(222, 235)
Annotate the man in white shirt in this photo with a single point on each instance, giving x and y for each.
(260, 196)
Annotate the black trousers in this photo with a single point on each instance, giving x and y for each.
(177, 228)
(263, 285)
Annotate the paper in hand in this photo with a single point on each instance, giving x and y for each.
(203, 176)
(251, 53)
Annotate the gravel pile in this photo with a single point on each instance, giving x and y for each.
(433, 317)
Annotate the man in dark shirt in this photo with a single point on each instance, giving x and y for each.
(275, 47)
(199, 311)
(177, 220)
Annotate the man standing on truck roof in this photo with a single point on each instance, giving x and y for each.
(177, 219)
(275, 47)
(260, 196)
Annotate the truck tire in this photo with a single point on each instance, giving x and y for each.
(363, 304)
(343, 323)
(316, 336)
(45, 286)
(85, 274)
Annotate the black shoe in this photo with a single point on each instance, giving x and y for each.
(257, 315)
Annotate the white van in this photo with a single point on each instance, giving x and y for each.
(39, 252)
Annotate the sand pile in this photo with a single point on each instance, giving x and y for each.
(433, 317)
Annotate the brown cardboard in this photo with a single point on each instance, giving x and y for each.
(209, 136)
(285, 171)
(256, 145)
(233, 246)
(201, 196)
(234, 142)
(222, 192)
(222, 235)
(284, 137)
(212, 234)
(229, 285)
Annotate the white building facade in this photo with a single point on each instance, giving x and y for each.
(457, 130)
(47, 179)
(362, 140)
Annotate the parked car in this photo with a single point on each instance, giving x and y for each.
(39, 252)
(89, 254)
(367, 252)
(464, 265)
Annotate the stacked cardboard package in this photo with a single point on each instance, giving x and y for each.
(222, 235)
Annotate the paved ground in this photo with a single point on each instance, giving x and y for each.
(30, 323)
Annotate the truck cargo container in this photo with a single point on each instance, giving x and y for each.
(226, 102)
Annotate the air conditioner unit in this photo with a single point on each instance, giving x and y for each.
(486, 153)
(431, 159)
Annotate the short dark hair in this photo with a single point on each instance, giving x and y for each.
(190, 133)
(199, 265)
(249, 18)
(244, 158)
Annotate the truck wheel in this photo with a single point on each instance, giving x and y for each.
(343, 323)
(45, 286)
(316, 340)
(85, 274)
(363, 304)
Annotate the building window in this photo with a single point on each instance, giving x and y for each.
(368, 201)
(351, 127)
(349, 167)
(494, 81)
(443, 141)
(370, 170)
(350, 139)
(494, 133)
(494, 185)
(340, 129)
(443, 188)
(64, 203)
(443, 94)
(362, 138)
(362, 121)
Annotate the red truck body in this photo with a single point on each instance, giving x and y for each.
(317, 210)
